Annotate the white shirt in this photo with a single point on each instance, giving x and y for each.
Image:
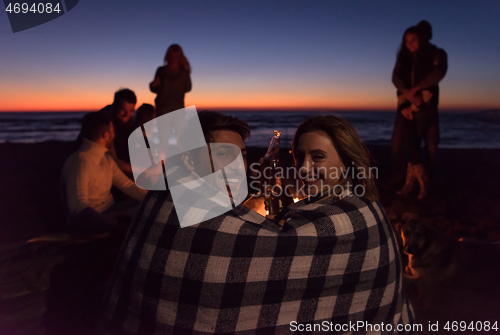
(89, 174)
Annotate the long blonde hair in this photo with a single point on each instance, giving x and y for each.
(348, 145)
(176, 49)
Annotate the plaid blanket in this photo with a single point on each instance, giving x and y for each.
(241, 273)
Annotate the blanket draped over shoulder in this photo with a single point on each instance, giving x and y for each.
(241, 273)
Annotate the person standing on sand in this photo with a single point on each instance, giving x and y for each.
(88, 176)
(419, 68)
(171, 82)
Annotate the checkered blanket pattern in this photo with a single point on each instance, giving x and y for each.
(241, 273)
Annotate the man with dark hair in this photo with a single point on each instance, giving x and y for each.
(124, 105)
(122, 115)
(124, 95)
(213, 122)
(96, 126)
(425, 29)
(89, 174)
(238, 272)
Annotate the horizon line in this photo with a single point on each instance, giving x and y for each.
(274, 109)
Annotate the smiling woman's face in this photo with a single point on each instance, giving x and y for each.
(318, 162)
(412, 42)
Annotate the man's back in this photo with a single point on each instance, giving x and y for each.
(88, 176)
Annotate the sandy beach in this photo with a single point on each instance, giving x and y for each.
(464, 204)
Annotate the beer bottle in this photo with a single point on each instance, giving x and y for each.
(272, 177)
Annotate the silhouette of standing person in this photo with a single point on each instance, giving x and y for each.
(171, 83)
(419, 68)
(439, 71)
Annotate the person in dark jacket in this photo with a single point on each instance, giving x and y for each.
(171, 82)
(419, 67)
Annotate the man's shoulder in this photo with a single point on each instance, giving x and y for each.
(441, 53)
(435, 49)
(109, 159)
(82, 157)
(77, 161)
(76, 158)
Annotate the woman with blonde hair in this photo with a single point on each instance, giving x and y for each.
(343, 225)
(334, 263)
(171, 81)
(331, 159)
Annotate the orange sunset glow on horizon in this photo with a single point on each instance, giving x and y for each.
(245, 57)
(88, 99)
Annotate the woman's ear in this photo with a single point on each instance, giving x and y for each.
(187, 161)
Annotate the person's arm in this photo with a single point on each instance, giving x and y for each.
(189, 85)
(155, 84)
(438, 72)
(408, 92)
(125, 184)
(124, 166)
(396, 78)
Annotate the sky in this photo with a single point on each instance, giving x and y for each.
(310, 55)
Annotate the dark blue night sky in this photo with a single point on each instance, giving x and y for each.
(248, 54)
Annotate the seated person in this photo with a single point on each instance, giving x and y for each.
(89, 174)
(145, 113)
(349, 225)
(122, 115)
(240, 272)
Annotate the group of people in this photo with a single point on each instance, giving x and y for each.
(322, 264)
(102, 160)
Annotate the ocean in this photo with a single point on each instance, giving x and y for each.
(458, 130)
